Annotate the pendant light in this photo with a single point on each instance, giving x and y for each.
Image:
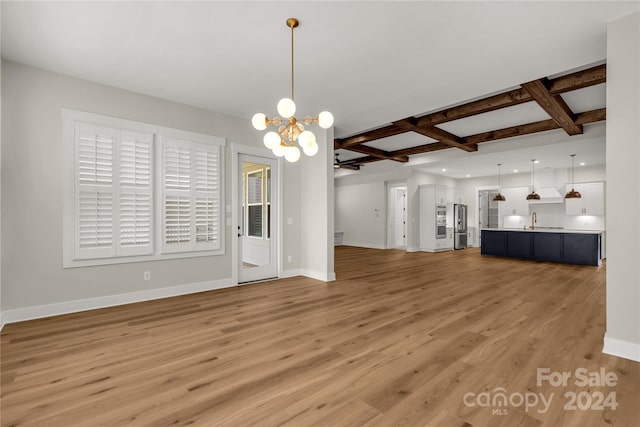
(533, 195)
(573, 194)
(499, 197)
(290, 129)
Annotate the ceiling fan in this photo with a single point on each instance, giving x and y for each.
(345, 164)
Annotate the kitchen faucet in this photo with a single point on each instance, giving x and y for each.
(534, 219)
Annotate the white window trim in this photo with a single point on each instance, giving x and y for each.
(69, 118)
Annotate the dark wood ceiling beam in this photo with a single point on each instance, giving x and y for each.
(426, 148)
(554, 105)
(587, 117)
(592, 116)
(435, 133)
(529, 128)
(375, 152)
(484, 105)
(425, 125)
(578, 80)
(511, 132)
(372, 135)
(360, 160)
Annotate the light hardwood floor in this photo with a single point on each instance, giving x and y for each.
(399, 339)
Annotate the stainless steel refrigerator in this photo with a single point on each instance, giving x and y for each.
(460, 226)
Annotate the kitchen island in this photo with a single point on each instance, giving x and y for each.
(566, 246)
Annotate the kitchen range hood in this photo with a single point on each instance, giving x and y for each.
(548, 195)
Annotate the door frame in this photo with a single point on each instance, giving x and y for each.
(390, 187)
(234, 209)
(478, 189)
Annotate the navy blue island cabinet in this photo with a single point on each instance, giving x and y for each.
(566, 247)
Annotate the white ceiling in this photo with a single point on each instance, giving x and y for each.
(369, 63)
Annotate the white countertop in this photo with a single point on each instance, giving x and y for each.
(547, 230)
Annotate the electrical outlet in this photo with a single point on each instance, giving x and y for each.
(147, 275)
(289, 258)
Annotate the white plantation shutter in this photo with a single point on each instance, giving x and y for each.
(95, 221)
(207, 195)
(94, 195)
(176, 209)
(136, 191)
(113, 212)
(177, 226)
(191, 196)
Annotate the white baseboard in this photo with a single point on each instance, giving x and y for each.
(1, 322)
(365, 245)
(291, 273)
(319, 275)
(619, 348)
(39, 311)
(413, 249)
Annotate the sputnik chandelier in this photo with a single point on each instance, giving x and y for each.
(289, 128)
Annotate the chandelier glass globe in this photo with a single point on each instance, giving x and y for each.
(291, 134)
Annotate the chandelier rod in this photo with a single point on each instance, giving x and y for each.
(292, 23)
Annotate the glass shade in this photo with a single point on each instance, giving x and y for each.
(271, 140)
(292, 154)
(325, 120)
(286, 108)
(311, 150)
(278, 150)
(259, 121)
(306, 139)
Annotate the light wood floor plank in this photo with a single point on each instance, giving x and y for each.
(398, 339)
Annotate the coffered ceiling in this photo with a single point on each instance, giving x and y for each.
(517, 107)
(369, 63)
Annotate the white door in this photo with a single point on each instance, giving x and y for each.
(400, 217)
(257, 233)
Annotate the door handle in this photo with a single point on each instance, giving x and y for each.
(240, 235)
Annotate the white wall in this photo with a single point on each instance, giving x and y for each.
(1, 320)
(360, 214)
(361, 205)
(623, 188)
(317, 228)
(32, 179)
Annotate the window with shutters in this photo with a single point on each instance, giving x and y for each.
(138, 192)
(191, 208)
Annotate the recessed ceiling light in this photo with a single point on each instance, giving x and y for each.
(444, 170)
(515, 171)
(536, 162)
(581, 163)
(468, 176)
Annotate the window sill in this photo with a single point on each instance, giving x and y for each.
(69, 263)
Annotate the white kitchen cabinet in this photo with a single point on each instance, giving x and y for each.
(432, 195)
(471, 237)
(448, 242)
(455, 195)
(440, 194)
(592, 201)
(516, 201)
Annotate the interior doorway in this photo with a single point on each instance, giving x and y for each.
(257, 225)
(488, 213)
(397, 216)
(487, 209)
